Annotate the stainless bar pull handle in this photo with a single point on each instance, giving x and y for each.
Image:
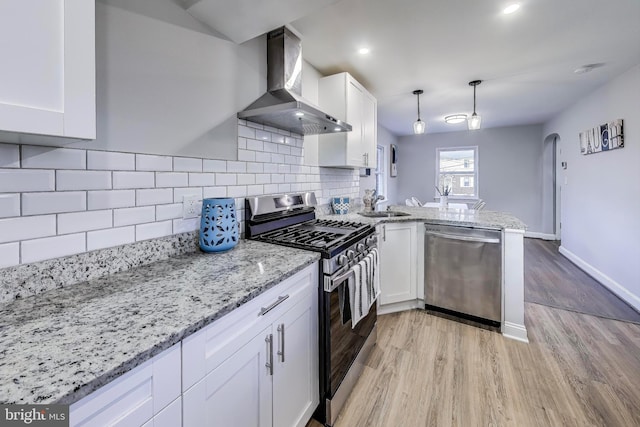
(384, 233)
(269, 363)
(280, 300)
(281, 336)
(463, 238)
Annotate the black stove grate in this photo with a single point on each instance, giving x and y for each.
(315, 234)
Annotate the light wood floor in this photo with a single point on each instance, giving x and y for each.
(577, 370)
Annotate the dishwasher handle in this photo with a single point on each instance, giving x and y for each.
(463, 238)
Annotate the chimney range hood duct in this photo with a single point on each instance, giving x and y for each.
(282, 106)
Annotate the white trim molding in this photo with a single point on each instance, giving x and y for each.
(615, 287)
(515, 332)
(537, 235)
(400, 306)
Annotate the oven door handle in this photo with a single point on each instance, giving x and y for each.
(331, 285)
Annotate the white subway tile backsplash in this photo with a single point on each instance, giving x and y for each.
(255, 167)
(153, 230)
(29, 227)
(185, 225)
(277, 137)
(172, 179)
(82, 180)
(247, 156)
(283, 188)
(53, 202)
(290, 178)
(52, 247)
(255, 190)
(149, 162)
(126, 180)
(84, 221)
(179, 193)
(277, 178)
(277, 158)
(9, 254)
(110, 199)
(9, 156)
(284, 169)
(187, 164)
(130, 216)
(293, 160)
(9, 205)
(246, 132)
(172, 211)
(263, 178)
(270, 147)
(255, 145)
(271, 167)
(157, 196)
(214, 165)
(106, 160)
(201, 179)
(263, 157)
(297, 152)
(284, 149)
(21, 180)
(270, 188)
(237, 191)
(226, 178)
(110, 238)
(245, 178)
(36, 157)
(236, 166)
(242, 143)
(290, 140)
(254, 125)
(212, 192)
(263, 135)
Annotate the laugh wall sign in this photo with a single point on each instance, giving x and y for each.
(605, 137)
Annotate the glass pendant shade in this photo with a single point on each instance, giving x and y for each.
(419, 127)
(474, 122)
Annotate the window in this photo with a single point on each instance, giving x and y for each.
(457, 169)
(379, 173)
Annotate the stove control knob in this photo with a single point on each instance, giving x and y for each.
(360, 247)
(343, 260)
(371, 240)
(351, 254)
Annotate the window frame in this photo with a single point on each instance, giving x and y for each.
(382, 172)
(476, 170)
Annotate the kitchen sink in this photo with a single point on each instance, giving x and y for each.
(383, 214)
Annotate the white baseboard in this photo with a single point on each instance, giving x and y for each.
(399, 306)
(536, 235)
(605, 280)
(515, 332)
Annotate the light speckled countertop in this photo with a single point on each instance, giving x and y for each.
(63, 344)
(465, 218)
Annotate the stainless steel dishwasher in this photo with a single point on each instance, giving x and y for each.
(463, 272)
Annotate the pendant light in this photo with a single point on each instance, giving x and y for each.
(474, 121)
(418, 126)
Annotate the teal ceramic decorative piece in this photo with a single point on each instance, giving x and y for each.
(340, 205)
(218, 225)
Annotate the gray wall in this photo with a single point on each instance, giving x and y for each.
(600, 193)
(509, 168)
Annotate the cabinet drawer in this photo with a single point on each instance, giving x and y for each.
(135, 397)
(205, 350)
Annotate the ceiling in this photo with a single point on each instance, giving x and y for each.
(526, 60)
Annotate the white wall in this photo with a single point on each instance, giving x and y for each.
(600, 203)
(385, 139)
(510, 168)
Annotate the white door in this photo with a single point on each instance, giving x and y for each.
(398, 262)
(47, 80)
(236, 393)
(295, 377)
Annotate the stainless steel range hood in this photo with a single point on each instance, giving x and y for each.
(282, 106)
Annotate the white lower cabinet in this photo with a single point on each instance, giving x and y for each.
(134, 398)
(398, 248)
(171, 416)
(264, 374)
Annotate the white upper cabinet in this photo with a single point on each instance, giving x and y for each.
(47, 80)
(343, 97)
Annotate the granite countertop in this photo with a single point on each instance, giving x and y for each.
(61, 345)
(466, 218)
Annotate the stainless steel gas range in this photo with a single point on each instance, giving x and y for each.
(290, 220)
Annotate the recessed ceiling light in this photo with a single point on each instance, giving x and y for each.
(299, 113)
(337, 129)
(364, 50)
(511, 8)
(455, 118)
